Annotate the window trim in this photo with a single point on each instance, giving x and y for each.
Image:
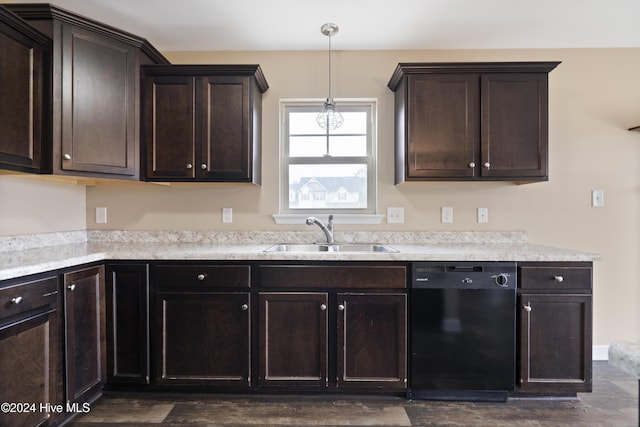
(350, 216)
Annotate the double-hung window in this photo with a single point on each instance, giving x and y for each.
(328, 171)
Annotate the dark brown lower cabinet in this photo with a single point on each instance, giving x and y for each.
(29, 352)
(85, 334)
(555, 343)
(555, 327)
(293, 339)
(372, 334)
(296, 341)
(127, 303)
(202, 338)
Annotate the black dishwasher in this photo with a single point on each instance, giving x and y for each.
(463, 323)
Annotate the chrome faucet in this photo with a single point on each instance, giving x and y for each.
(327, 230)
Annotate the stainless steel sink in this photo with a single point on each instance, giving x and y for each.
(332, 247)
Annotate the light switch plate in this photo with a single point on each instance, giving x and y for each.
(483, 215)
(447, 215)
(227, 215)
(101, 215)
(395, 215)
(597, 198)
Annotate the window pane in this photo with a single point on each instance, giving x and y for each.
(304, 123)
(339, 146)
(354, 122)
(342, 146)
(307, 146)
(328, 186)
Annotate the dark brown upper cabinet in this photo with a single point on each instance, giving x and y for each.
(471, 121)
(203, 122)
(25, 61)
(95, 86)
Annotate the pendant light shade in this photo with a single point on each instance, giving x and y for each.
(329, 118)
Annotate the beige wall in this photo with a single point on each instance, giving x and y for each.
(594, 97)
(31, 205)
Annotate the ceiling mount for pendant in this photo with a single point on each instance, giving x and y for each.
(329, 118)
(329, 29)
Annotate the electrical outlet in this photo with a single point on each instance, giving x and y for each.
(395, 215)
(446, 215)
(597, 198)
(483, 215)
(101, 215)
(227, 215)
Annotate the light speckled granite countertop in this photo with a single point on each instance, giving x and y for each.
(24, 255)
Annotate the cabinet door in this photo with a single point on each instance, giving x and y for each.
(24, 67)
(372, 341)
(127, 293)
(226, 129)
(514, 125)
(98, 92)
(170, 127)
(442, 120)
(293, 339)
(202, 338)
(85, 333)
(29, 351)
(555, 343)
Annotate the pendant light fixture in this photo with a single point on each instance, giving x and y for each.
(329, 118)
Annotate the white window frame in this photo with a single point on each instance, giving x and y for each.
(366, 215)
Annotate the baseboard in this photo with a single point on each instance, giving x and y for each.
(600, 352)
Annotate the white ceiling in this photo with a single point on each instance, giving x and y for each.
(241, 25)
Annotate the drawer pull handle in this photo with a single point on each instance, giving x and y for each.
(341, 307)
(244, 307)
(72, 287)
(323, 307)
(189, 166)
(527, 307)
(16, 300)
(201, 276)
(558, 279)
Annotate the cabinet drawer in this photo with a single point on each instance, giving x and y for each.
(333, 276)
(218, 276)
(28, 296)
(554, 277)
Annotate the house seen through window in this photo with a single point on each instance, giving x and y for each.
(328, 170)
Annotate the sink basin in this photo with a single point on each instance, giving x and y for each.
(331, 247)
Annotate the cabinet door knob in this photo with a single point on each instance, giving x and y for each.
(323, 307)
(16, 300)
(203, 166)
(527, 307)
(558, 279)
(67, 156)
(341, 307)
(189, 166)
(487, 165)
(201, 276)
(244, 307)
(72, 287)
(472, 165)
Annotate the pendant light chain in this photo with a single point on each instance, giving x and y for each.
(329, 118)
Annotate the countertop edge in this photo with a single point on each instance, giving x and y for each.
(15, 264)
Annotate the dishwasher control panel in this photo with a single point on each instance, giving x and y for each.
(463, 275)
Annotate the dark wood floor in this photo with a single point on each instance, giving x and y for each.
(613, 403)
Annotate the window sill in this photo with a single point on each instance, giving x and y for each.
(366, 219)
